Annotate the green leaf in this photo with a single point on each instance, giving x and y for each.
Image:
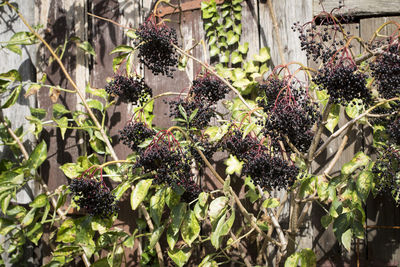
(251, 193)
(217, 206)
(12, 75)
(28, 219)
(35, 233)
(333, 118)
(180, 256)
(360, 159)
(263, 55)
(237, 28)
(131, 34)
(177, 215)
(232, 38)
(22, 38)
(67, 232)
(346, 239)
(214, 51)
(38, 155)
(364, 184)
(118, 60)
(5, 202)
(224, 57)
(72, 170)
(13, 97)
(96, 91)
(326, 220)
(293, 260)
(39, 202)
(221, 229)
(157, 203)
(120, 189)
(96, 104)
(308, 258)
(171, 238)
(14, 48)
(271, 203)
(156, 236)
(236, 57)
(244, 48)
(63, 125)
(140, 192)
(87, 47)
(59, 110)
(190, 229)
(233, 165)
(122, 48)
(84, 235)
(38, 113)
(228, 23)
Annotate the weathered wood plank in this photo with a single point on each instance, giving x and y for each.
(381, 211)
(359, 8)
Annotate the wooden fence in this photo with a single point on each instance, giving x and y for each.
(65, 18)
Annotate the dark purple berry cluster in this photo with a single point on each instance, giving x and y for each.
(394, 131)
(344, 83)
(269, 171)
(202, 118)
(170, 167)
(206, 147)
(94, 197)
(265, 168)
(387, 172)
(208, 88)
(135, 133)
(386, 71)
(155, 44)
(129, 89)
(290, 111)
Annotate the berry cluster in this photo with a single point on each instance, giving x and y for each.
(201, 119)
(206, 147)
(129, 89)
(394, 131)
(156, 51)
(344, 83)
(264, 168)
(208, 88)
(135, 133)
(94, 197)
(170, 167)
(386, 71)
(290, 112)
(387, 173)
(269, 171)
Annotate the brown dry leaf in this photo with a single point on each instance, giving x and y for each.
(54, 94)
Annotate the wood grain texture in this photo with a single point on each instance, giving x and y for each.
(359, 8)
(383, 244)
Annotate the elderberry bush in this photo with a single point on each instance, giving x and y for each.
(170, 167)
(386, 172)
(94, 197)
(155, 44)
(208, 88)
(129, 89)
(386, 71)
(135, 133)
(394, 131)
(344, 83)
(201, 119)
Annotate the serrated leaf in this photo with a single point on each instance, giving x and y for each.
(180, 256)
(38, 156)
(157, 203)
(333, 118)
(156, 236)
(271, 203)
(140, 192)
(12, 97)
(190, 229)
(87, 47)
(59, 110)
(39, 202)
(122, 48)
(217, 206)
